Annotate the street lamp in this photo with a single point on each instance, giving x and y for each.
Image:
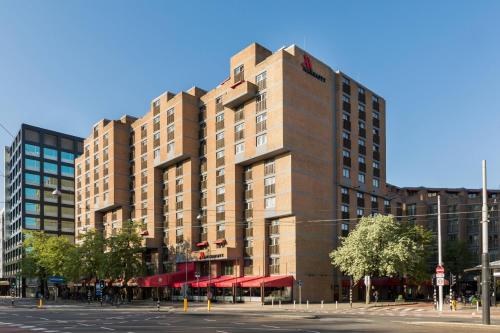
(57, 192)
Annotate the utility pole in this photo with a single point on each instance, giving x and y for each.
(485, 257)
(440, 253)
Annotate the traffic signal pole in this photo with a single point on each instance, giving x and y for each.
(440, 253)
(485, 258)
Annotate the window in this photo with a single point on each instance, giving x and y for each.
(50, 225)
(68, 185)
(376, 182)
(50, 140)
(269, 185)
(344, 190)
(270, 202)
(219, 154)
(361, 108)
(32, 193)
(50, 154)
(239, 148)
(32, 208)
(31, 150)
(360, 212)
(238, 131)
(219, 118)
(376, 165)
(156, 153)
(260, 122)
(346, 135)
(261, 140)
(376, 115)
(68, 212)
(67, 157)
(219, 136)
(67, 226)
(346, 173)
(33, 165)
(31, 179)
(261, 101)
(32, 223)
(68, 198)
(67, 171)
(386, 202)
(346, 153)
(362, 125)
(361, 159)
(260, 80)
(346, 99)
(51, 210)
(49, 167)
(50, 182)
(344, 229)
(361, 142)
(361, 178)
(170, 147)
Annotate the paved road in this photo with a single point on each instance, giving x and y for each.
(60, 320)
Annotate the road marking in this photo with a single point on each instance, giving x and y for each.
(239, 323)
(269, 326)
(220, 331)
(107, 328)
(209, 319)
(313, 331)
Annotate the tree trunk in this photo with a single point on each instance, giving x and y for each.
(368, 291)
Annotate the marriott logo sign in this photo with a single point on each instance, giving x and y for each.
(307, 67)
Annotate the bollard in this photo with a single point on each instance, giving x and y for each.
(294, 304)
(279, 304)
(158, 305)
(336, 305)
(322, 304)
(307, 304)
(185, 304)
(208, 306)
(40, 303)
(477, 305)
(272, 302)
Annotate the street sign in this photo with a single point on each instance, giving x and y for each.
(367, 279)
(98, 292)
(439, 275)
(439, 269)
(440, 281)
(496, 274)
(299, 283)
(56, 279)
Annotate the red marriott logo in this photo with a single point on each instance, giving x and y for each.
(307, 67)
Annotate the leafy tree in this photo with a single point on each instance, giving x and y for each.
(457, 257)
(381, 246)
(124, 254)
(93, 259)
(34, 247)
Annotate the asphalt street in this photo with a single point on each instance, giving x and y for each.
(60, 320)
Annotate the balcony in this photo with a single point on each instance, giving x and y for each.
(362, 150)
(362, 115)
(249, 232)
(248, 213)
(179, 205)
(347, 161)
(346, 124)
(362, 167)
(248, 194)
(219, 198)
(376, 122)
(240, 93)
(219, 162)
(179, 188)
(219, 144)
(376, 172)
(248, 252)
(346, 106)
(376, 138)
(269, 189)
(220, 216)
(239, 115)
(240, 135)
(376, 155)
(203, 184)
(274, 249)
(274, 229)
(346, 143)
(362, 132)
(362, 98)
(248, 175)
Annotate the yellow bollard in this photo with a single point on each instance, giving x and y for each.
(40, 303)
(185, 304)
(208, 305)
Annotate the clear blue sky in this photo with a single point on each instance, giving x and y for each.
(66, 64)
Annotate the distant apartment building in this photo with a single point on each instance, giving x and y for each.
(2, 232)
(39, 191)
(253, 175)
(460, 214)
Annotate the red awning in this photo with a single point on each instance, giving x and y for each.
(236, 281)
(202, 244)
(220, 241)
(269, 281)
(164, 280)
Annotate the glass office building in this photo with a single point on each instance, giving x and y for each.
(39, 193)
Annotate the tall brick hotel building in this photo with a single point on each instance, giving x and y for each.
(254, 175)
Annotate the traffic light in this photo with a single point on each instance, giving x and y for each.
(453, 280)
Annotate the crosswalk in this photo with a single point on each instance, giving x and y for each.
(384, 311)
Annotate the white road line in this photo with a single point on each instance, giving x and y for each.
(209, 319)
(107, 328)
(220, 331)
(269, 326)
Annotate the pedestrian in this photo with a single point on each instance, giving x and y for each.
(375, 296)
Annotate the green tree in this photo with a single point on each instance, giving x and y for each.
(381, 246)
(457, 257)
(125, 253)
(93, 258)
